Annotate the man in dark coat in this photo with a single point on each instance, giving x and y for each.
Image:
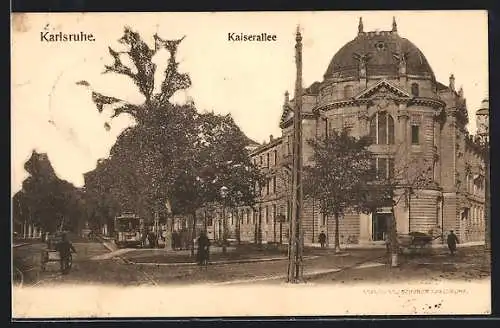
(64, 247)
(452, 241)
(322, 239)
(175, 242)
(203, 249)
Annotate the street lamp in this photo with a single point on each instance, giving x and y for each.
(410, 192)
(223, 194)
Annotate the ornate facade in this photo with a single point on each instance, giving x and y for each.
(378, 84)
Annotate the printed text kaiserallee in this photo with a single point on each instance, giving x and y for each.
(262, 37)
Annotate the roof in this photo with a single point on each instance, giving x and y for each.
(441, 86)
(380, 48)
(269, 145)
(313, 89)
(485, 107)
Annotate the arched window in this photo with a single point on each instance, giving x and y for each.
(348, 93)
(414, 89)
(382, 129)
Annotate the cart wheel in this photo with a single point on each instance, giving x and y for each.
(18, 277)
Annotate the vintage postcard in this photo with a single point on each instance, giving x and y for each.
(250, 164)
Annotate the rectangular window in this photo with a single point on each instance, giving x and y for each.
(275, 157)
(323, 219)
(382, 128)
(210, 222)
(274, 213)
(414, 135)
(267, 159)
(266, 209)
(261, 160)
(391, 168)
(274, 184)
(248, 216)
(374, 166)
(382, 168)
(268, 182)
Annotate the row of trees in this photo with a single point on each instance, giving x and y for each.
(173, 154)
(172, 157)
(45, 201)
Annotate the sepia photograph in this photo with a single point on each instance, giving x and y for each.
(235, 164)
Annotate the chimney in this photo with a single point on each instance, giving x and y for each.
(360, 25)
(452, 82)
(394, 24)
(271, 138)
(287, 98)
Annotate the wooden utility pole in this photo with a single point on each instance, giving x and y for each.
(295, 247)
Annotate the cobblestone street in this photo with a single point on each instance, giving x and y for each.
(153, 267)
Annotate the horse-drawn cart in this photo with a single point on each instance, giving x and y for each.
(416, 242)
(51, 254)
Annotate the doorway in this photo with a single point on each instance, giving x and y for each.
(379, 225)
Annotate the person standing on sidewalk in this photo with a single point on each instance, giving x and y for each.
(203, 249)
(322, 239)
(452, 241)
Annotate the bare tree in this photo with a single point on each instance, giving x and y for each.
(408, 176)
(340, 170)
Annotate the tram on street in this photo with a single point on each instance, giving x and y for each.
(128, 230)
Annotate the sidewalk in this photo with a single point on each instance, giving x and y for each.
(307, 274)
(382, 246)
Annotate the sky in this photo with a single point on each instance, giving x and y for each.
(51, 114)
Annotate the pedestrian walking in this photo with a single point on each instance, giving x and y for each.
(452, 241)
(175, 240)
(65, 247)
(203, 249)
(322, 239)
(151, 239)
(387, 241)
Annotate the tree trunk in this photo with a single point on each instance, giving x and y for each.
(193, 233)
(205, 222)
(238, 228)
(393, 238)
(337, 237)
(259, 229)
(224, 231)
(168, 232)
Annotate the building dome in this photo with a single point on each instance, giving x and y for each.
(485, 107)
(380, 48)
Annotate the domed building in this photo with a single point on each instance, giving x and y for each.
(379, 84)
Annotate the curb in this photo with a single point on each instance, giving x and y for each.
(305, 275)
(20, 245)
(274, 259)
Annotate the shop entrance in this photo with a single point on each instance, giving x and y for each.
(380, 224)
